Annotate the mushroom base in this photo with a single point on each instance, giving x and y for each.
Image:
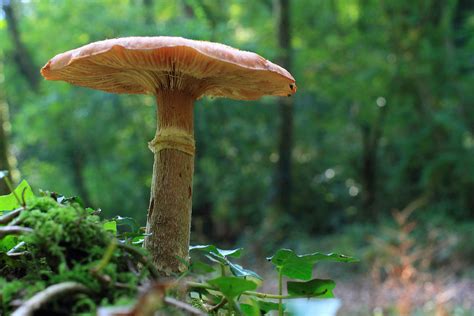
(169, 213)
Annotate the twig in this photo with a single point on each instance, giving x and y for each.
(137, 254)
(48, 294)
(5, 219)
(14, 230)
(219, 305)
(182, 305)
(12, 252)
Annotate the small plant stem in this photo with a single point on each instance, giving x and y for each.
(219, 305)
(222, 270)
(109, 252)
(280, 292)
(137, 254)
(247, 293)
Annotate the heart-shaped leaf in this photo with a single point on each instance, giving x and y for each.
(251, 308)
(130, 222)
(211, 249)
(9, 202)
(265, 306)
(301, 266)
(319, 288)
(219, 256)
(232, 287)
(110, 226)
(239, 271)
(200, 267)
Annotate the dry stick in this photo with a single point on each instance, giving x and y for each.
(14, 230)
(182, 305)
(137, 254)
(5, 219)
(48, 294)
(219, 305)
(13, 252)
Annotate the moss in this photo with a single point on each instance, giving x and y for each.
(67, 243)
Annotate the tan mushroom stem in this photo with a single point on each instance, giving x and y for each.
(169, 212)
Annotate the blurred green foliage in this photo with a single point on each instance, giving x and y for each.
(383, 114)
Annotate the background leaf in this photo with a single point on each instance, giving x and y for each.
(232, 287)
(9, 202)
(301, 266)
(315, 288)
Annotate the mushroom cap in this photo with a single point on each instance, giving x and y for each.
(146, 65)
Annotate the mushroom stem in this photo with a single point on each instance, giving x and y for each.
(169, 212)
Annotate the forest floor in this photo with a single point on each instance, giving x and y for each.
(364, 290)
(361, 296)
(452, 296)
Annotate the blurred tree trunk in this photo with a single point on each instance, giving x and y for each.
(20, 54)
(285, 143)
(149, 12)
(26, 66)
(369, 171)
(4, 161)
(22, 59)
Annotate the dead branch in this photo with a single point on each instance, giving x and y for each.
(48, 294)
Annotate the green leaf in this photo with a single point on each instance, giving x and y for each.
(301, 266)
(315, 288)
(200, 267)
(127, 221)
(220, 256)
(232, 286)
(8, 242)
(265, 306)
(9, 202)
(211, 249)
(251, 309)
(110, 226)
(239, 271)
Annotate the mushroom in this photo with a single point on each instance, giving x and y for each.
(177, 71)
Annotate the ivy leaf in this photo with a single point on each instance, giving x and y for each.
(265, 306)
(301, 266)
(239, 271)
(9, 202)
(251, 308)
(110, 226)
(319, 288)
(200, 267)
(219, 256)
(211, 249)
(127, 221)
(232, 287)
(8, 242)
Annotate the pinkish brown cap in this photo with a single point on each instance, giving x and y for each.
(146, 65)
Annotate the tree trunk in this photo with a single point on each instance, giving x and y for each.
(4, 161)
(369, 171)
(21, 56)
(169, 213)
(148, 12)
(78, 161)
(283, 178)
